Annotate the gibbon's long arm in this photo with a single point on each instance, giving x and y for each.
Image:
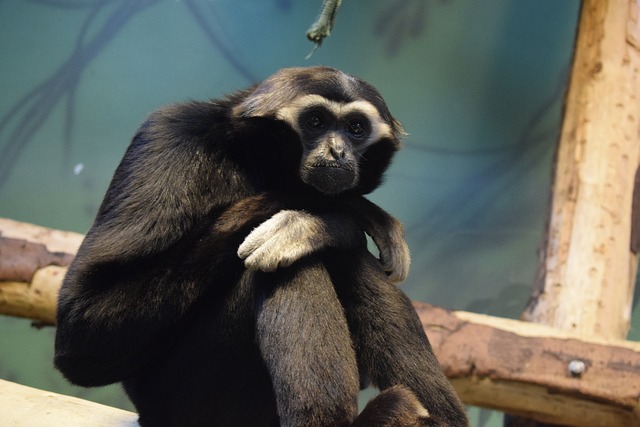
(292, 234)
(150, 239)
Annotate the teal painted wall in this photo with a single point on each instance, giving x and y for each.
(479, 87)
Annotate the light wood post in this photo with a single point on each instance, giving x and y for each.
(587, 269)
(588, 262)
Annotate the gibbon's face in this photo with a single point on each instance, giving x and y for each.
(334, 137)
(346, 131)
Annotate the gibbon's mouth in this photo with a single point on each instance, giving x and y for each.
(334, 165)
(330, 177)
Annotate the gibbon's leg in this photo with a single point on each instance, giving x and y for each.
(304, 339)
(391, 345)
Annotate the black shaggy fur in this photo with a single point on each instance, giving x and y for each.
(158, 299)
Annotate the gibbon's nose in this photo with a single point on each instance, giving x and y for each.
(336, 145)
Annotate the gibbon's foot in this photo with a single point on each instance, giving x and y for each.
(396, 407)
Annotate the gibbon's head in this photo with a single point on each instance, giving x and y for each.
(347, 134)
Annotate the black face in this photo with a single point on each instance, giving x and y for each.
(332, 146)
(348, 134)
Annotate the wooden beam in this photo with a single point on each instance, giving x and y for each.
(26, 406)
(588, 264)
(523, 368)
(32, 266)
(510, 365)
(35, 300)
(587, 270)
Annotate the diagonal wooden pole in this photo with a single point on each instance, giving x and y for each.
(589, 260)
(587, 270)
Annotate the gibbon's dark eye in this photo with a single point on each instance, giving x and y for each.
(357, 128)
(315, 121)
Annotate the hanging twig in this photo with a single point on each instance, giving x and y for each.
(321, 28)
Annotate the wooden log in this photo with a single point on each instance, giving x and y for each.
(524, 369)
(56, 241)
(35, 300)
(28, 407)
(496, 363)
(32, 266)
(588, 264)
(510, 365)
(587, 270)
